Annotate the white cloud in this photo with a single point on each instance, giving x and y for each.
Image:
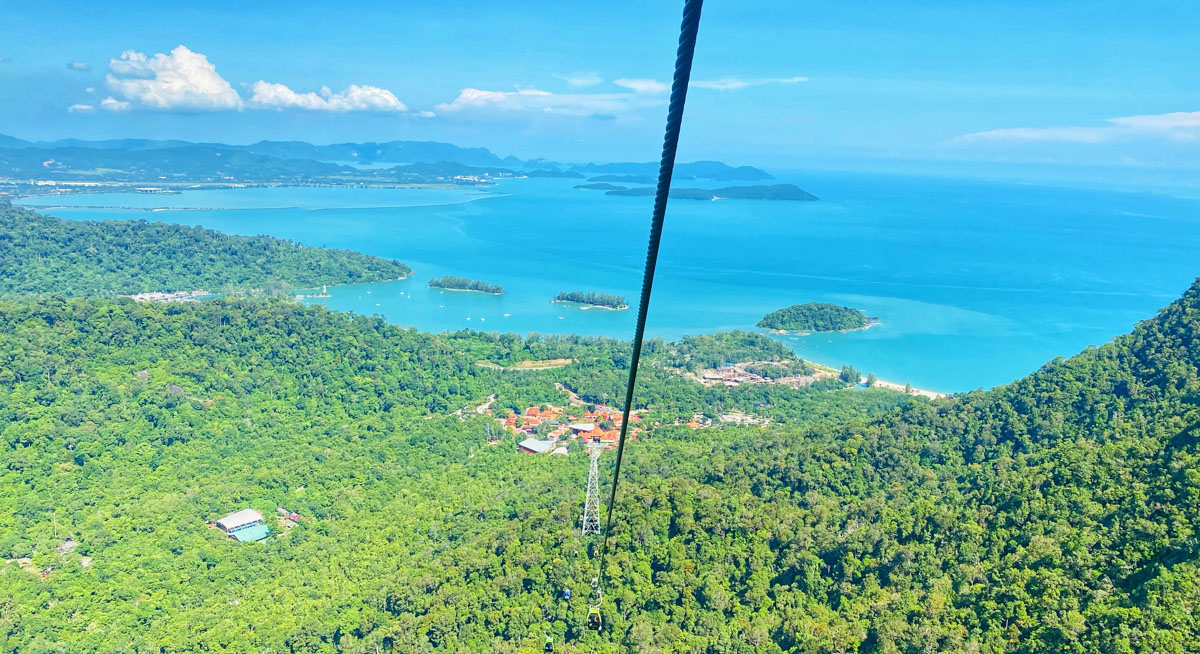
(89, 90)
(183, 80)
(734, 83)
(113, 104)
(1174, 120)
(82, 109)
(1175, 126)
(581, 79)
(641, 85)
(265, 95)
(79, 65)
(1030, 134)
(536, 100)
(180, 80)
(426, 114)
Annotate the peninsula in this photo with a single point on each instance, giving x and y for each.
(452, 283)
(593, 300)
(756, 192)
(816, 317)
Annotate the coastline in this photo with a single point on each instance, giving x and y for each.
(933, 395)
(800, 332)
(378, 281)
(96, 207)
(585, 307)
(464, 290)
(881, 383)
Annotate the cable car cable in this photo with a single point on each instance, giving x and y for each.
(679, 87)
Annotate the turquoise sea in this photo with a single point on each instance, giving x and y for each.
(976, 283)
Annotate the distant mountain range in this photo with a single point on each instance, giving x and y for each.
(772, 192)
(194, 163)
(177, 159)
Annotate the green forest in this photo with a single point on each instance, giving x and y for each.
(42, 254)
(463, 284)
(1054, 514)
(593, 299)
(815, 317)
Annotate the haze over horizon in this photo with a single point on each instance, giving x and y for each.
(1011, 86)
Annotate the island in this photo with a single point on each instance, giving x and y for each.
(601, 186)
(714, 170)
(453, 283)
(816, 317)
(756, 192)
(593, 300)
(564, 174)
(625, 179)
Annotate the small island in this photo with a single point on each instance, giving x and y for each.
(757, 192)
(452, 283)
(816, 317)
(562, 174)
(625, 179)
(593, 300)
(601, 186)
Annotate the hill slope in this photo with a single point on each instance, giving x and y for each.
(1054, 514)
(42, 254)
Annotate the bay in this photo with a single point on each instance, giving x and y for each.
(976, 283)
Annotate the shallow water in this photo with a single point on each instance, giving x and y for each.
(976, 283)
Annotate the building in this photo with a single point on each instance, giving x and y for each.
(245, 525)
(535, 446)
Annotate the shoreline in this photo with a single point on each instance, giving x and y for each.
(585, 307)
(94, 207)
(882, 383)
(933, 395)
(801, 332)
(464, 290)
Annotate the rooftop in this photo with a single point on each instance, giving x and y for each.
(239, 519)
(535, 445)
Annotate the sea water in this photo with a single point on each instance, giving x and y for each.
(975, 283)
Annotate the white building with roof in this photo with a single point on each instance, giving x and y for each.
(535, 446)
(244, 525)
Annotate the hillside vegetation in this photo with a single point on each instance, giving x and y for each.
(42, 254)
(1053, 514)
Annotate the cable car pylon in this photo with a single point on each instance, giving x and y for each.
(591, 506)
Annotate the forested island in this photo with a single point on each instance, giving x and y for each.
(772, 192)
(43, 254)
(816, 317)
(453, 283)
(625, 179)
(600, 186)
(561, 174)
(591, 299)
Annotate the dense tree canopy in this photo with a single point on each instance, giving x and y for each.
(40, 254)
(1055, 514)
(463, 284)
(816, 317)
(593, 298)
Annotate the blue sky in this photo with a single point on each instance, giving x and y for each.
(785, 84)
